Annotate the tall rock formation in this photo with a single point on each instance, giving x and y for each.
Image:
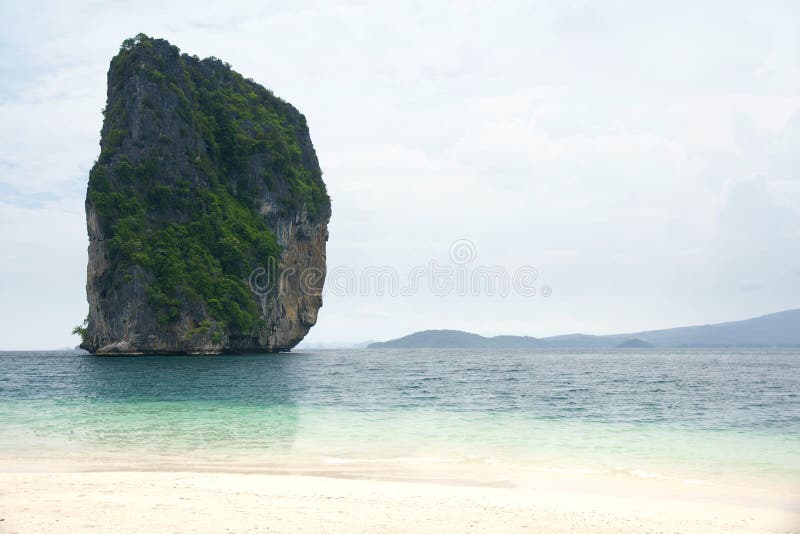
(204, 177)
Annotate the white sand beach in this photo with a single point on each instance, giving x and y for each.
(64, 499)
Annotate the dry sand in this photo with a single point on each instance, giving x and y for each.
(40, 499)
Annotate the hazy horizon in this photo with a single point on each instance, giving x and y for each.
(643, 159)
(319, 344)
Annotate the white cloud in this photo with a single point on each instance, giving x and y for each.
(43, 275)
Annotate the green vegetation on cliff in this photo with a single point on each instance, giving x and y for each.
(192, 154)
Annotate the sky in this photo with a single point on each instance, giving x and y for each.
(637, 162)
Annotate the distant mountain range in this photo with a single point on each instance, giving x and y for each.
(780, 329)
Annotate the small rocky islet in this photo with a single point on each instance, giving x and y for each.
(203, 178)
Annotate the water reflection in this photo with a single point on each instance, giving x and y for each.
(156, 404)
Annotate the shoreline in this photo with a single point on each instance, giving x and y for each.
(455, 470)
(39, 498)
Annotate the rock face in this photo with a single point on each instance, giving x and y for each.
(206, 211)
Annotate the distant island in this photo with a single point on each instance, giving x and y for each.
(780, 329)
(635, 343)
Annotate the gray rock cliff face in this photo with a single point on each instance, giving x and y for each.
(203, 178)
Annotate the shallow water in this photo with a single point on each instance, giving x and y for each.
(687, 414)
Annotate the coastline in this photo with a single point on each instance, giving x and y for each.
(68, 496)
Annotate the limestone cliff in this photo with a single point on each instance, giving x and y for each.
(203, 178)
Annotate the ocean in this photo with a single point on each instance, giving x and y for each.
(699, 416)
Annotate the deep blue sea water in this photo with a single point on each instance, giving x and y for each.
(697, 414)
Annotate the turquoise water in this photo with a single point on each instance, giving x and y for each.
(688, 414)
